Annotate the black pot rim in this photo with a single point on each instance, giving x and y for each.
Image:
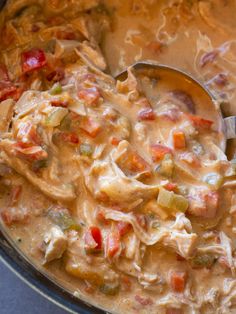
(36, 280)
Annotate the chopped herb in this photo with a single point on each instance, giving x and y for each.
(56, 89)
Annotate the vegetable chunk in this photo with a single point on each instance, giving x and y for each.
(33, 59)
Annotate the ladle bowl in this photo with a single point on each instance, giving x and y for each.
(226, 125)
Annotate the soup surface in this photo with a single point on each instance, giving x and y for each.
(121, 191)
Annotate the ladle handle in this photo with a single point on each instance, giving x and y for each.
(230, 127)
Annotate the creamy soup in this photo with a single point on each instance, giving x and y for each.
(120, 190)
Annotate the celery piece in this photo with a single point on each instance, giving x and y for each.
(172, 200)
(56, 116)
(86, 149)
(165, 198)
(39, 164)
(110, 289)
(63, 219)
(166, 167)
(180, 203)
(205, 260)
(56, 89)
(65, 124)
(50, 46)
(213, 179)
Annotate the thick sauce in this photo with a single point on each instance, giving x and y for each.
(120, 190)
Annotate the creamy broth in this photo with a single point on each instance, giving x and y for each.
(120, 191)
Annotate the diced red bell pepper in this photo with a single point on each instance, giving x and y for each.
(146, 114)
(15, 194)
(179, 140)
(57, 75)
(27, 135)
(59, 103)
(4, 73)
(172, 310)
(55, 20)
(200, 122)
(126, 283)
(89, 95)
(69, 137)
(180, 258)
(142, 220)
(68, 35)
(100, 216)
(31, 153)
(123, 227)
(6, 217)
(7, 88)
(13, 215)
(35, 28)
(32, 60)
(178, 281)
(115, 141)
(143, 301)
(212, 203)
(135, 163)
(112, 244)
(90, 126)
(93, 239)
(103, 197)
(155, 47)
(171, 186)
(204, 204)
(158, 151)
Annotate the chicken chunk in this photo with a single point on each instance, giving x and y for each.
(56, 243)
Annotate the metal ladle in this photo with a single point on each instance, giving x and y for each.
(227, 126)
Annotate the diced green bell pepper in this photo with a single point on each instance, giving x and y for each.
(110, 289)
(172, 201)
(205, 260)
(56, 116)
(166, 166)
(39, 164)
(56, 89)
(63, 220)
